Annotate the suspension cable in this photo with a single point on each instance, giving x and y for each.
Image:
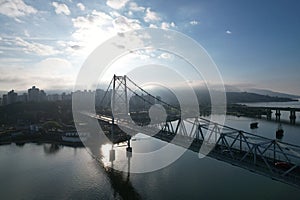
(106, 92)
(169, 105)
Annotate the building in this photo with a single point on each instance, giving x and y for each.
(36, 95)
(12, 97)
(66, 97)
(42, 96)
(54, 97)
(4, 99)
(33, 94)
(22, 98)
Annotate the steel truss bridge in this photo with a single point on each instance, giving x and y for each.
(269, 157)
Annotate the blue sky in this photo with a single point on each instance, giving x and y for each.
(254, 43)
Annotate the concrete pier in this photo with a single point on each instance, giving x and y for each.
(277, 114)
(293, 116)
(269, 114)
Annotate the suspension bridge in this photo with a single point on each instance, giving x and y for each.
(269, 157)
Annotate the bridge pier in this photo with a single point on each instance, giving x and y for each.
(269, 114)
(292, 116)
(128, 149)
(277, 114)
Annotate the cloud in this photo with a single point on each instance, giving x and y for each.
(53, 66)
(50, 73)
(16, 8)
(228, 32)
(94, 28)
(95, 19)
(61, 8)
(26, 33)
(153, 26)
(34, 47)
(151, 16)
(194, 22)
(91, 30)
(81, 6)
(116, 4)
(134, 7)
(166, 25)
(122, 24)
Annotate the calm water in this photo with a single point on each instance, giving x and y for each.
(47, 171)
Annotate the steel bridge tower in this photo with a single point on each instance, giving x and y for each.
(119, 103)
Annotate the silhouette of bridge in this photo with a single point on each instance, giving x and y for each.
(268, 111)
(269, 157)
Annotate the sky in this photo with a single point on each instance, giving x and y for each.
(255, 44)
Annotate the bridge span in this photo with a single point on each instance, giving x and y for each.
(269, 111)
(269, 157)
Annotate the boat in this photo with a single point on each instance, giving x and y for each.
(253, 125)
(279, 132)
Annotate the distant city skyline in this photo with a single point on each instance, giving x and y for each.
(255, 44)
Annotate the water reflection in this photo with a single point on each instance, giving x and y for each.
(20, 144)
(51, 148)
(120, 181)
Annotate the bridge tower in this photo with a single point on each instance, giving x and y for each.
(119, 103)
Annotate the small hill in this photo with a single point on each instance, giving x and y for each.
(247, 97)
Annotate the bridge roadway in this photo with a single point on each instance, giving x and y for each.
(268, 111)
(276, 108)
(271, 158)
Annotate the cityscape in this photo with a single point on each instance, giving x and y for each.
(136, 99)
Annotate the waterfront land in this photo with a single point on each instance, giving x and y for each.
(48, 121)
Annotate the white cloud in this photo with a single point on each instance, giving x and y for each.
(34, 47)
(153, 26)
(53, 66)
(194, 22)
(116, 4)
(95, 19)
(94, 28)
(26, 33)
(16, 8)
(166, 25)
(134, 7)
(81, 6)
(114, 14)
(122, 24)
(228, 32)
(50, 73)
(91, 30)
(130, 13)
(18, 20)
(151, 16)
(61, 8)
